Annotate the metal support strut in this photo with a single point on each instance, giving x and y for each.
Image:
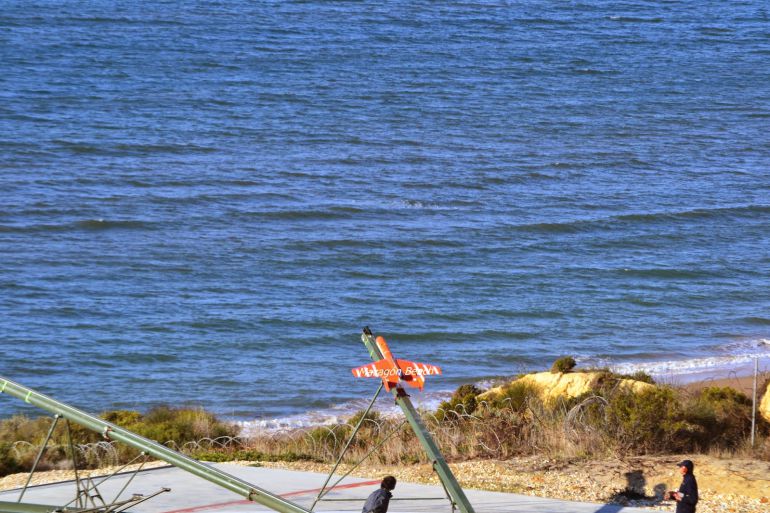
(323, 491)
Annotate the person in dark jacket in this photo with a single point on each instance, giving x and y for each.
(379, 500)
(687, 496)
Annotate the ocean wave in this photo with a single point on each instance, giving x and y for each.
(556, 228)
(761, 321)
(463, 336)
(122, 149)
(304, 214)
(691, 369)
(644, 218)
(666, 273)
(636, 19)
(87, 224)
(107, 224)
(124, 20)
(698, 213)
(595, 71)
(419, 205)
(339, 414)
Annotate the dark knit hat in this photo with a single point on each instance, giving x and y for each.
(686, 463)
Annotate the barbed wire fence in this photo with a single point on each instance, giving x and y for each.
(489, 430)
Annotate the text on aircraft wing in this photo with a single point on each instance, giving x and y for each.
(418, 369)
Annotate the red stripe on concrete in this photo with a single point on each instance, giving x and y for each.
(338, 487)
(288, 494)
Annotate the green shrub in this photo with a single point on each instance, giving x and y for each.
(646, 422)
(723, 415)
(163, 424)
(249, 455)
(563, 364)
(371, 417)
(516, 396)
(463, 401)
(178, 425)
(122, 418)
(8, 462)
(640, 376)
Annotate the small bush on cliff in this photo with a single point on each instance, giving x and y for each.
(639, 376)
(463, 401)
(563, 364)
(515, 396)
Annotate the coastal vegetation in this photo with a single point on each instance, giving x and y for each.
(588, 413)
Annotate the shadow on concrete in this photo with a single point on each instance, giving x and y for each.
(634, 494)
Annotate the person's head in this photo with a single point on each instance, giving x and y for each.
(389, 483)
(685, 467)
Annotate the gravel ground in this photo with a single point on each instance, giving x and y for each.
(597, 481)
(602, 481)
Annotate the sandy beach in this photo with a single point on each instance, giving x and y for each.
(743, 384)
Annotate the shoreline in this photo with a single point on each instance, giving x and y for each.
(740, 383)
(728, 484)
(739, 378)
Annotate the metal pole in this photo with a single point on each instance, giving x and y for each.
(81, 503)
(39, 455)
(754, 402)
(129, 479)
(347, 445)
(112, 432)
(429, 446)
(371, 451)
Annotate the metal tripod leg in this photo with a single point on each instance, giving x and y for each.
(39, 455)
(347, 446)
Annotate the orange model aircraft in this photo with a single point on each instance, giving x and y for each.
(392, 370)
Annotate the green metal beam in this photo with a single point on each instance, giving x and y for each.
(112, 432)
(25, 507)
(428, 445)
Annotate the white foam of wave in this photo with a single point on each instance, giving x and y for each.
(741, 360)
(339, 414)
(690, 369)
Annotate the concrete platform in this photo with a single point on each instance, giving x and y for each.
(190, 494)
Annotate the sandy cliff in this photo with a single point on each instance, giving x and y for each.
(552, 385)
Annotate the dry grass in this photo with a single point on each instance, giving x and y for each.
(607, 422)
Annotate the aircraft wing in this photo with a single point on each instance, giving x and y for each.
(418, 369)
(384, 369)
(366, 371)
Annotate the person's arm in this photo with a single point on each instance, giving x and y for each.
(381, 503)
(688, 492)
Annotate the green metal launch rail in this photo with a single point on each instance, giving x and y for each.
(426, 441)
(245, 489)
(112, 432)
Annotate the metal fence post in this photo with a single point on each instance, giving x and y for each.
(754, 402)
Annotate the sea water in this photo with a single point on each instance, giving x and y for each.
(204, 202)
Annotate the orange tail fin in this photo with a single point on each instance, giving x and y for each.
(384, 349)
